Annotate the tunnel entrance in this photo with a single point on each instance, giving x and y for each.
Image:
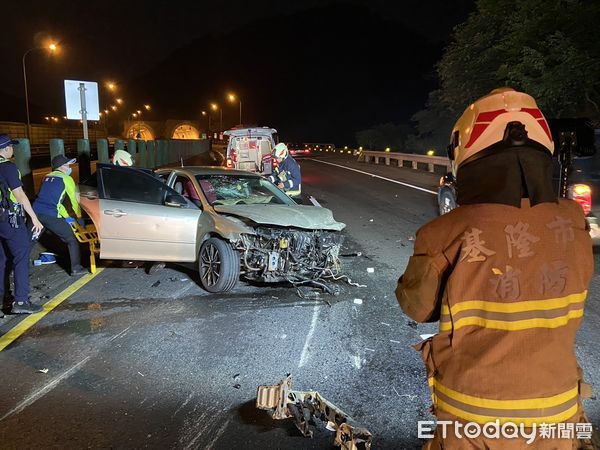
(140, 130)
(186, 131)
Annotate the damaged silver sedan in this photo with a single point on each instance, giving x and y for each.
(228, 222)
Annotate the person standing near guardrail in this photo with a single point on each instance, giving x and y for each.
(14, 233)
(506, 274)
(58, 185)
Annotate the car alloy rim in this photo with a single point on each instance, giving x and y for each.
(210, 264)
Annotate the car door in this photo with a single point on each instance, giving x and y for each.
(142, 218)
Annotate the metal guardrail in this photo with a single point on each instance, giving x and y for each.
(431, 161)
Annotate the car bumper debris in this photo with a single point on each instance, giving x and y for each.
(304, 406)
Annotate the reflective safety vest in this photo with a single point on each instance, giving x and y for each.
(52, 194)
(12, 195)
(508, 286)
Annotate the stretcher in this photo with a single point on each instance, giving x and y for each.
(88, 235)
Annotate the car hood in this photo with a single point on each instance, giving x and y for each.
(308, 217)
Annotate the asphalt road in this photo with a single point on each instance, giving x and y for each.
(152, 361)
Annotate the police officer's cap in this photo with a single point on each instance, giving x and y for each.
(61, 160)
(5, 141)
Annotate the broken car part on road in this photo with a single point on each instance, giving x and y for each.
(305, 406)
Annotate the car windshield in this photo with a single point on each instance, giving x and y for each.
(240, 190)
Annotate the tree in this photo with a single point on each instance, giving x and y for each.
(384, 135)
(547, 48)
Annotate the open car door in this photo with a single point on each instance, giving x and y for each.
(139, 217)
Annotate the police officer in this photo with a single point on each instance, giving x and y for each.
(49, 207)
(14, 234)
(506, 275)
(287, 173)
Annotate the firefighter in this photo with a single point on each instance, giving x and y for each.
(286, 175)
(506, 275)
(122, 158)
(14, 233)
(58, 185)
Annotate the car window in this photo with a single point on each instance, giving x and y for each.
(241, 190)
(184, 186)
(132, 185)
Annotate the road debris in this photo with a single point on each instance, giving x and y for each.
(350, 255)
(237, 385)
(156, 283)
(395, 342)
(370, 269)
(369, 349)
(306, 406)
(411, 238)
(237, 375)
(358, 301)
(141, 374)
(42, 371)
(370, 220)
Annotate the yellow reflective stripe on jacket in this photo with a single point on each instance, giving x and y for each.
(550, 313)
(556, 408)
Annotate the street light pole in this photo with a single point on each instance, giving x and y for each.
(240, 111)
(51, 47)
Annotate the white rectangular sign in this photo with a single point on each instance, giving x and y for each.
(73, 99)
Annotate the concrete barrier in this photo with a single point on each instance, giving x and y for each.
(430, 162)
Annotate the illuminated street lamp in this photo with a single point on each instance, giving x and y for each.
(111, 85)
(52, 47)
(113, 107)
(119, 101)
(232, 98)
(214, 107)
(147, 107)
(204, 113)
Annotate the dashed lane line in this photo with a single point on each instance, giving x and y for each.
(418, 188)
(15, 332)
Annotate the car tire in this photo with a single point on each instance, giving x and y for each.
(446, 201)
(218, 265)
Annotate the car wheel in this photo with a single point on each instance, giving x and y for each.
(218, 265)
(446, 201)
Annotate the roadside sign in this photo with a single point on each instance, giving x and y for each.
(81, 98)
(73, 100)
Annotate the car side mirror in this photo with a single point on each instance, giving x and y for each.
(175, 201)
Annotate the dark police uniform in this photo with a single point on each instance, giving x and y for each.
(15, 236)
(50, 210)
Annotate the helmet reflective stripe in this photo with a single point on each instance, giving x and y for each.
(122, 158)
(484, 122)
(281, 151)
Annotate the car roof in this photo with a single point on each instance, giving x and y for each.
(254, 131)
(209, 170)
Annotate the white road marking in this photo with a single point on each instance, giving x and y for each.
(35, 396)
(304, 354)
(377, 176)
(122, 333)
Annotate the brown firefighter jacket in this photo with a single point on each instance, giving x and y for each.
(508, 286)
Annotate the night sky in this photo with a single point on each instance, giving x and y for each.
(315, 70)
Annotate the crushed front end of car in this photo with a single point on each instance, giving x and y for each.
(287, 254)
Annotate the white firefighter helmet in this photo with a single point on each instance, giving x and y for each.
(281, 151)
(122, 158)
(484, 123)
